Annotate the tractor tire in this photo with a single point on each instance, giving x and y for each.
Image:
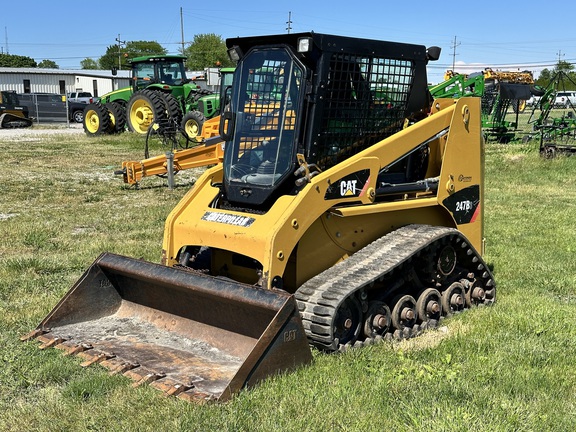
(197, 94)
(518, 105)
(117, 113)
(145, 108)
(192, 125)
(96, 119)
(173, 108)
(537, 90)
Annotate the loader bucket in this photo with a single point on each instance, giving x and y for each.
(199, 337)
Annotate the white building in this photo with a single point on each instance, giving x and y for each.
(62, 81)
(97, 82)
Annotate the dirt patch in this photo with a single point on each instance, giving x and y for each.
(36, 133)
(5, 216)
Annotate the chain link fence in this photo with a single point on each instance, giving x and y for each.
(46, 108)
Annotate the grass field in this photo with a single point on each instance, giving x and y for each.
(510, 367)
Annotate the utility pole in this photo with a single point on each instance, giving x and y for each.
(454, 53)
(120, 43)
(289, 22)
(182, 30)
(6, 37)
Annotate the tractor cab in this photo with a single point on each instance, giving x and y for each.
(169, 70)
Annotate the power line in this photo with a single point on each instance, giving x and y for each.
(454, 52)
(543, 64)
(120, 43)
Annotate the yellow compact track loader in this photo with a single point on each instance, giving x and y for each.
(347, 209)
(12, 113)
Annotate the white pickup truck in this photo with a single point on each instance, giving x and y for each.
(82, 97)
(565, 99)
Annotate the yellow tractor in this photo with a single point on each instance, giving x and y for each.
(347, 209)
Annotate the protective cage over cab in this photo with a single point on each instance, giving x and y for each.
(323, 96)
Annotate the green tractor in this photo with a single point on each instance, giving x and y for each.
(160, 93)
(500, 93)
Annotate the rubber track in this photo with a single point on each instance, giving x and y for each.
(320, 297)
(8, 120)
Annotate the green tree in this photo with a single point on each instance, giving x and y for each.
(564, 66)
(562, 76)
(48, 64)
(11, 60)
(110, 59)
(129, 51)
(207, 50)
(89, 63)
(544, 77)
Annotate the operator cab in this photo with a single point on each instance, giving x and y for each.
(260, 149)
(168, 70)
(323, 97)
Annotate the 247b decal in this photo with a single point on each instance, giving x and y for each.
(464, 204)
(353, 185)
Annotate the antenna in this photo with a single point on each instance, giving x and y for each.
(289, 22)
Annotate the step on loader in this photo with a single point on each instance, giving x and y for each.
(347, 209)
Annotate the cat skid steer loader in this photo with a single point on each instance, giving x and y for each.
(347, 210)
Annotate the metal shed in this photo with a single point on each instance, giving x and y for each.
(61, 81)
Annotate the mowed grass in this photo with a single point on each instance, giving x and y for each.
(510, 367)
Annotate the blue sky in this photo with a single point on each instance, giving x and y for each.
(503, 35)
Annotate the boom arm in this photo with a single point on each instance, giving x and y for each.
(208, 153)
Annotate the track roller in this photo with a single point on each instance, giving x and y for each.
(404, 314)
(453, 298)
(378, 319)
(429, 305)
(348, 322)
